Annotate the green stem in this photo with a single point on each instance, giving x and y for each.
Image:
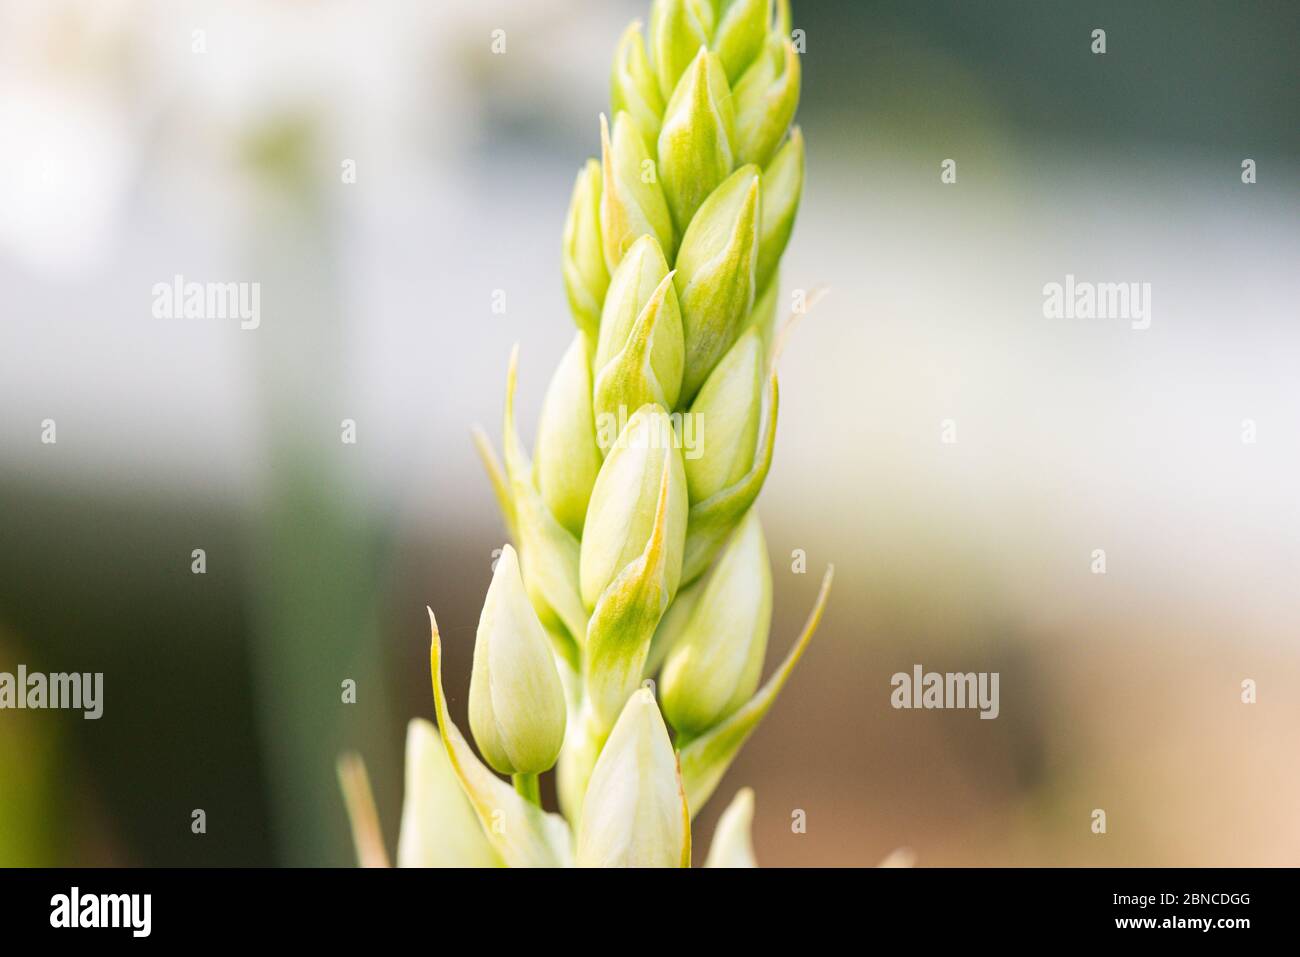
(526, 784)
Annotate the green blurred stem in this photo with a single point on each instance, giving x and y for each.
(526, 784)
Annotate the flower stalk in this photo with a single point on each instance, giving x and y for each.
(640, 555)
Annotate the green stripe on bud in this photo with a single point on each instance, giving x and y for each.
(715, 273)
(705, 760)
(740, 34)
(635, 813)
(782, 186)
(715, 666)
(732, 844)
(585, 274)
(695, 143)
(727, 412)
(678, 28)
(624, 505)
(439, 827)
(632, 202)
(516, 701)
(625, 618)
(568, 458)
(640, 354)
(766, 97)
(634, 88)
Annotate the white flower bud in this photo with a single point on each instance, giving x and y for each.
(634, 813)
(568, 458)
(516, 701)
(695, 142)
(439, 827)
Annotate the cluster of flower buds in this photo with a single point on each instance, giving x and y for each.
(639, 551)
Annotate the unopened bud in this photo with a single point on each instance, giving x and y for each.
(716, 273)
(632, 201)
(634, 813)
(678, 28)
(729, 407)
(732, 844)
(715, 666)
(695, 143)
(633, 86)
(623, 505)
(766, 97)
(439, 827)
(585, 275)
(740, 35)
(567, 455)
(516, 701)
(639, 356)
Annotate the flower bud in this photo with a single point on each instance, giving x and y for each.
(634, 813)
(516, 701)
(695, 143)
(766, 97)
(678, 28)
(439, 827)
(729, 408)
(740, 35)
(782, 185)
(716, 272)
(732, 845)
(631, 201)
(714, 667)
(621, 515)
(640, 353)
(567, 455)
(585, 275)
(633, 86)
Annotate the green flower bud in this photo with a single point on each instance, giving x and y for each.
(633, 86)
(715, 665)
(624, 619)
(439, 827)
(695, 143)
(712, 519)
(716, 272)
(740, 34)
(782, 185)
(516, 701)
(632, 202)
(727, 411)
(621, 515)
(634, 813)
(766, 97)
(732, 845)
(585, 275)
(678, 28)
(567, 455)
(640, 354)
(705, 759)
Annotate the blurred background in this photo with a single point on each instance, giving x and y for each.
(140, 140)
